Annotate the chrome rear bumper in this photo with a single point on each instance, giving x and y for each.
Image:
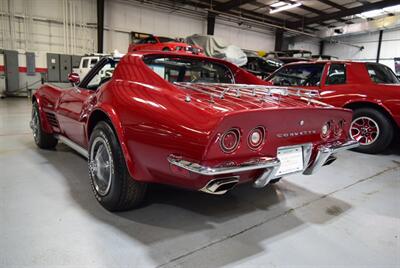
(325, 151)
(269, 165)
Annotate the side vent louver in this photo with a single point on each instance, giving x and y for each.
(51, 118)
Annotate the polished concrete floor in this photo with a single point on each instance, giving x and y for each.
(347, 215)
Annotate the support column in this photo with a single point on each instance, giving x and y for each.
(210, 23)
(278, 39)
(378, 54)
(321, 47)
(100, 25)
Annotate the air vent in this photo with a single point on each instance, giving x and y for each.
(51, 118)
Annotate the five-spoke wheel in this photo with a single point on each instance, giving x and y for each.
(365, 130)
(372, 129)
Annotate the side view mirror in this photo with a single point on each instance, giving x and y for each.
(74, 78)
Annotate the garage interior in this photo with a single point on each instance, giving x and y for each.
(346, 215)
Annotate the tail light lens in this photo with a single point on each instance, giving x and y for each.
(326, 129)
(256, 138)
(230, 140)
(339, 128)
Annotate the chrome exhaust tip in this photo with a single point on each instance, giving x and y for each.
(220, 186)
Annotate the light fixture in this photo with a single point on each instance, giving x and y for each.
(392, 9)
(284, 7)
(278, 4)
(371, 14)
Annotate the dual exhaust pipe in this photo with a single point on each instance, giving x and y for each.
(220, 186)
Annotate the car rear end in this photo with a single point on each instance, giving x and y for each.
(260, 144)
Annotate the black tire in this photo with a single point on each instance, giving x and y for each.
(124, 193)
(276, 180)
(385, 127)
(42, 139)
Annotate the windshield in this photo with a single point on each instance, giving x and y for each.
(381, 74)
(298, 75)
(181, 69)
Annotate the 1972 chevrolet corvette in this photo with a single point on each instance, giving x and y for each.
(185, 120)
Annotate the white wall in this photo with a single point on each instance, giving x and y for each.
(244, 38)
(122, 18)
(304, 43)
(39, 26)
(390, 46)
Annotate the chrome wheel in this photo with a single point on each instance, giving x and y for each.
(365, 130)
(34, 124)
(101, 166)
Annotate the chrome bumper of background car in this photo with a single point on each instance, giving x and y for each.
(269, 165)
(325, 152)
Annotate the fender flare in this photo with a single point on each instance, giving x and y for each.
(43, 119)
(369, 102)
(111, 114)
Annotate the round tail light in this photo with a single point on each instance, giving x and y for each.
(256, 138)
(326, 129)
(230, 140)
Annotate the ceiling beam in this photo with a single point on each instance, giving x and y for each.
(332, 4)
(316, 11)
(300, 17)
(287, 13)
(345, 13)
(231, 4)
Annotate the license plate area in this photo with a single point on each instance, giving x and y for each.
(291, 160)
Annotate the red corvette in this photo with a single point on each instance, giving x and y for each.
(371, 90)
(164, 44)
(188, 121)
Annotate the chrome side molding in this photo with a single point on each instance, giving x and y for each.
(79, 149)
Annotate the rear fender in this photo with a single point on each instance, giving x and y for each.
(363, 103)
(118, 129)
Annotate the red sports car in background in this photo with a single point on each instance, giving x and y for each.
(371, 90)
(164, 44)
(188, 121)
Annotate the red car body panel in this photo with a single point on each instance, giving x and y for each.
(358, 89)
(153, 120)
(176, 46)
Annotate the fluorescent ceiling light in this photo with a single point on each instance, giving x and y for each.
(371, 14)
(278, 4)
(286, 7)
(392, 9)
(379, 12)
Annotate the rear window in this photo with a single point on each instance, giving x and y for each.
(381, 74)
(165, 39)
(180, 69)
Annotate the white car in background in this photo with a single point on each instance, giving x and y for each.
(87, 63)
